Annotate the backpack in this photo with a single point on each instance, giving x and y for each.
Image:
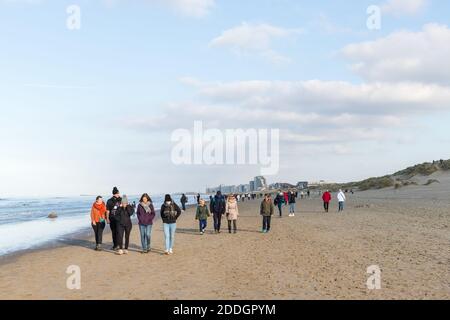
(170, 212)
(218, 205)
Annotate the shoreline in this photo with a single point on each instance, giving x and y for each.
(314, 255)
(86, 233)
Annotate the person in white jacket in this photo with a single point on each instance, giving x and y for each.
(341, 199)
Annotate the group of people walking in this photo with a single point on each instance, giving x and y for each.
(221, 206)
(117, 213)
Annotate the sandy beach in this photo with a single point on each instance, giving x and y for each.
(310, 256)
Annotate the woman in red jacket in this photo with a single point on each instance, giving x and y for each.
(326, 200)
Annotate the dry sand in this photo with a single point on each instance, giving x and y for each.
(311, 256)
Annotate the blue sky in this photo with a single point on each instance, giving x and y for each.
(89, 109)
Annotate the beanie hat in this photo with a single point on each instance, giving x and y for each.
(115, 191)
(167, 198)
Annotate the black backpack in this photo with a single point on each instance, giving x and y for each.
(169, 212)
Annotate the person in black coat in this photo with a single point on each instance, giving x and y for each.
(124, 225)
(170, 212)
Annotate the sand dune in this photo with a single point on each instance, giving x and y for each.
(311, 256)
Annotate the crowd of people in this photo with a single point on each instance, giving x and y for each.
(117, 213)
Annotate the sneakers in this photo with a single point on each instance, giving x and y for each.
(125, 251)
(119, 252)
(170, 251)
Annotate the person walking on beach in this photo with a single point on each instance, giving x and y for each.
(98, 219)
(145, 215)
(291, 204)
(217, 207)
(170, 212)
(326, 197)
(286, 198)
(198, 198)
(124, 225)
(112, 207)
(279, 200)
(183, 201)
(232, 212)
(202, 216)
(341, 199)
(266, 212)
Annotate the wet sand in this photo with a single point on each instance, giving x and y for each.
(310, 256)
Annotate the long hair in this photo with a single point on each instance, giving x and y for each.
(145, 195)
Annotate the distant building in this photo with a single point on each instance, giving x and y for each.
(260, 183)
(252, 186)
(302, 185)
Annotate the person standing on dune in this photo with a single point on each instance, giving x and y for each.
(112, 207)
(341, 199)
(326, 197)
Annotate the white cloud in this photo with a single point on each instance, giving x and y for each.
(254, 39)
(309, 112)
(404, 56)
(401, 7)
(194, 8)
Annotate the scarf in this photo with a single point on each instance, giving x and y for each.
(146, 206)
(100, 207)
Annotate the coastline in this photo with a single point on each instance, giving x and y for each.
(310, 256)
(85, 234)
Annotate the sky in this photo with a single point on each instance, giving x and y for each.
(87, 109)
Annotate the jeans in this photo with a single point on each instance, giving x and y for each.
(341, 205)
(292, 207)
(183, 205)
(326, 206)
(146, 236)
(121, 230)
(279, 208)
(169, 234)
(98, 230)
(234, 225)
(217, 221)
(266, 223)
(203, 224)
